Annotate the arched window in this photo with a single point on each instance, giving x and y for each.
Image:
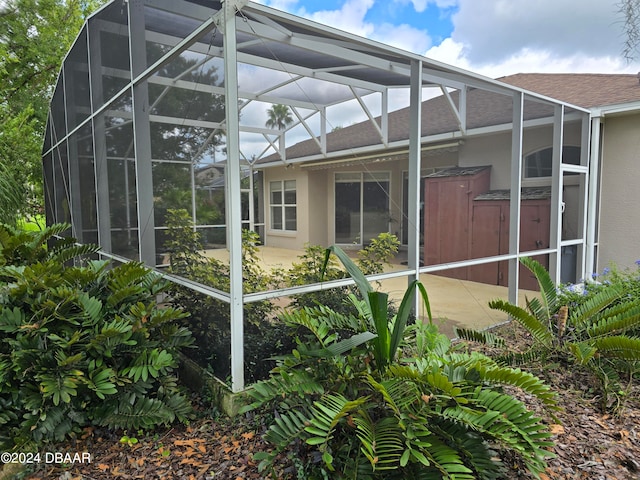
(538, 164)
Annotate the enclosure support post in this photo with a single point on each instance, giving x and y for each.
(516, 185)
(415, 131)
(557, 202)
(142, 136)
(100, 167)
(233, 204)
(592, 209)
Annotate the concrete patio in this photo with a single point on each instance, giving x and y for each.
(454, 303)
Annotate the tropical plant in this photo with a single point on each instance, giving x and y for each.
(279, 117)
(373, 257)
(310, 268)
(597, 333)
(364, 396)
(210, 318)
(82, 342)
(313, 267)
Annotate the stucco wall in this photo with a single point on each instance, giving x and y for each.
(283, 239)
(496, 150)
(316, 186)
(619, 232)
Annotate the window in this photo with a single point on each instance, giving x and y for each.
(283, 205)
(361, 206)
(538, 164)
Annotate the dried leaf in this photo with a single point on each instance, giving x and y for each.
(556, 429)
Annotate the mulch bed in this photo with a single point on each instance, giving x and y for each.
(589, 444)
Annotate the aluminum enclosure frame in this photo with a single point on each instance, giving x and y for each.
(308, 59)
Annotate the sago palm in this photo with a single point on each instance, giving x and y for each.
(366, 396)
(597, 334)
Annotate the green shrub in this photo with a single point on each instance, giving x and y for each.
(363, 396)
(309, 270)
(373, 257)
(265, 336)
(371, 260)
(596, 332)
(210, 318)
(82, 342)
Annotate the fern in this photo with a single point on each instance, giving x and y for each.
(286, 429)
(619, 319)
(327, 413)
(368, 414)
(523, 380)
(592, 307)
(283, 382)
(473, 448)
(63, 254)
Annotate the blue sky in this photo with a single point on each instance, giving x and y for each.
(491, 37)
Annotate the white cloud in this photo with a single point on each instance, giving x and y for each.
(402, 36)
(421, 5)
(529, 60)
(349, 18)
(543, 35)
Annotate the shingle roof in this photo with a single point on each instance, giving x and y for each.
(484, 108)
(582, 89)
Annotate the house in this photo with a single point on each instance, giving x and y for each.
(348, 198)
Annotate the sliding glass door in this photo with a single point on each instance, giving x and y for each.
(361, 206)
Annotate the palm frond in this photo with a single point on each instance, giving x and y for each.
(538, 329)
(618, 319)
(282, 382)
(473, 449)
(620, 347)
(382, 441)
(521, 358)
(523, 380)
(591, 307)
(484, 337)
(327, 413)
(144, 412)
(397, 392)
(548, 289)
(506, 421)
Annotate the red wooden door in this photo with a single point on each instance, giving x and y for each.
(486, 221)
(453, 224)
(534, 235)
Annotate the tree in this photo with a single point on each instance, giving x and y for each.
(279, 117)
(630, 12)
(34, 37)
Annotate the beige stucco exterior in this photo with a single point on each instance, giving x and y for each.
(315, 184)
(619, 226)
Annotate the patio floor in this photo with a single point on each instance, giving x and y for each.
(454, 303)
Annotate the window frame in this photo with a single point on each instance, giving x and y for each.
(284, 205)
(545, 180)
